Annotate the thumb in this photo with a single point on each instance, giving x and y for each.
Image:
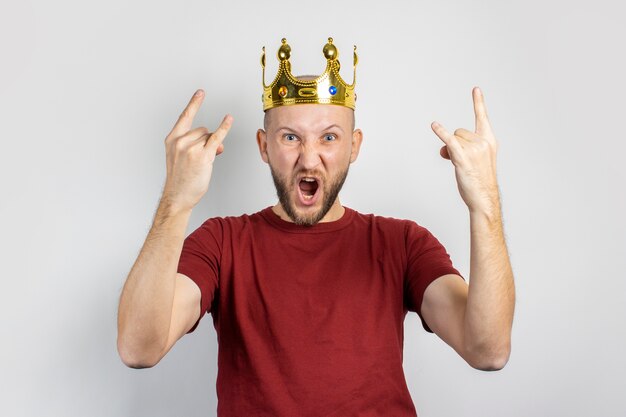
(444, 152)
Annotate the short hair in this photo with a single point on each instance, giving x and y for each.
(268, 117)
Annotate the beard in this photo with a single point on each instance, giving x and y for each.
(330, 192)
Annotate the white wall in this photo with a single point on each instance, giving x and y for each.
(88, 92)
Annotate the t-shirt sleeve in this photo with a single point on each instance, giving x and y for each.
(427, 260)
(200, 261)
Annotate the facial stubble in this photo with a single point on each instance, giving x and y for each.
(331, 191)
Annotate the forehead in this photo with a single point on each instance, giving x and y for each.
(309, 116)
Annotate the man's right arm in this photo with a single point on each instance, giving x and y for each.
(158, 305)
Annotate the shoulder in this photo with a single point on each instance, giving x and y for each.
(403, 234)
(232, 224)
(390, 224)
(238, 220)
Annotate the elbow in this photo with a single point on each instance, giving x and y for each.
(136, 364)
(490, 359)
(133, 358)
(490, 364)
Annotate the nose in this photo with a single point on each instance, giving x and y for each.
(309, 155)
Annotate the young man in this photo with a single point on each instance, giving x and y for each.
(308, 297)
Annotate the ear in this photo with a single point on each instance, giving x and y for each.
(261, 140)
(357, 138)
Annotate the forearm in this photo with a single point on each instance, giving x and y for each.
(491, 294)
(145, 307)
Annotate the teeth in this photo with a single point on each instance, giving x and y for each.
(309, 179)
(307, 197)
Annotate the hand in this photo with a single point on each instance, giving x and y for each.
(474, 157)
(190, 155)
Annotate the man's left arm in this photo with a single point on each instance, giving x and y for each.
(476, 319)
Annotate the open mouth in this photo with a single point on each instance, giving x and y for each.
(308, 187)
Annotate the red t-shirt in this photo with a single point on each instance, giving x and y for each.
(310, 320)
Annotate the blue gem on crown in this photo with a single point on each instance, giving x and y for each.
(332, 90)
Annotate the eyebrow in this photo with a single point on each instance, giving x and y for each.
(294, 130)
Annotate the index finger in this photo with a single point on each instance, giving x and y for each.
(183, 124)
(480, 110)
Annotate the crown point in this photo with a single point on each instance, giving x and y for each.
(330, 50)
(284, 40)
(284, 52)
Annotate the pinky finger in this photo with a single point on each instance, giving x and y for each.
(220, 133)
(449, 139)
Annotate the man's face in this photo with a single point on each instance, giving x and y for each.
(309, 148)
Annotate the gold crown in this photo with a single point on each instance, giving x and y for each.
(328, 88)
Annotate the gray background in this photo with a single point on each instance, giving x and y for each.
(88, 92)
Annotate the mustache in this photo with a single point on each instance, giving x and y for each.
(308, 173)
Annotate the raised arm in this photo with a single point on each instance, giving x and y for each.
(157, 305)
(476, 320)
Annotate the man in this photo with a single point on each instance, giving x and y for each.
(308, 297)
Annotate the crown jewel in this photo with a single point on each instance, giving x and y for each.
(328, 88)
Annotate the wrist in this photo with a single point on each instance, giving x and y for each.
(491, 212)
(170, 208)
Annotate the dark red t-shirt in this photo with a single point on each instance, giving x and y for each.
(310, 320)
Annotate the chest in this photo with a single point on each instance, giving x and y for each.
(313, 289)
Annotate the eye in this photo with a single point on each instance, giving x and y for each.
(329, 137)
(290, 138)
